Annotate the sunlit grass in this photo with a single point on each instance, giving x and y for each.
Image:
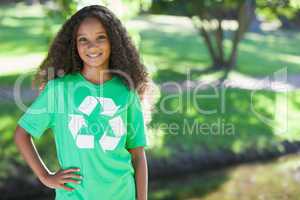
(23, 30)
(182, 48)
(274, 180)
(233, 119)
(20, 64)
(169, 52)
(163, 45)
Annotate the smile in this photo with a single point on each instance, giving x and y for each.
(94, 55)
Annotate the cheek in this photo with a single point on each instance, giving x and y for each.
(107, 48)
(80, 50)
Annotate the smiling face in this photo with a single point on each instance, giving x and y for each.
(93, 44)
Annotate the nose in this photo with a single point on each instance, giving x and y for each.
(92, 45)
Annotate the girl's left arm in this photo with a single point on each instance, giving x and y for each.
(139, 162)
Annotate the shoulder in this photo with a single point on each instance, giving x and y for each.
(122, 89)
(58, 83)
(72, 77)
(120, 85)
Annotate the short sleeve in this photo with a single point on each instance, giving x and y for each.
(136, 129)
(39, 116)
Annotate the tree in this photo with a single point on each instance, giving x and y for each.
(208, 17)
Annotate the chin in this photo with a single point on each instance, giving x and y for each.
(94, 65)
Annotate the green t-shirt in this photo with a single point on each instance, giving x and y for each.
(94, 125)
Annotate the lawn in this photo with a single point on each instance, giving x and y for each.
(169, 47)
(169, 52)
(275, 180)
(234, 119)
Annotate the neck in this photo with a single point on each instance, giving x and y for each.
(96, 75)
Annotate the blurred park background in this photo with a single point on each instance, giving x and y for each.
(225, 122)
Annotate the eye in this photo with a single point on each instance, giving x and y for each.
(82, 39)
(101, 37)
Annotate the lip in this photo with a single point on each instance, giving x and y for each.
(93, 56)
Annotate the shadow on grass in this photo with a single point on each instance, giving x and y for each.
(214, 135)
(17, 181)
(10, 80)
(193, 74)
(193, 124)
(9, 116)
(190, 186)
(23, 38)
(229, 109)
(259, 54)
(172, 50)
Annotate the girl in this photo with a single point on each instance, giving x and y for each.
(94, 81)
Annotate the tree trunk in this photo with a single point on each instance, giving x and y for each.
(209, 44)
(219, 41)
(285, 22)
(246, 12)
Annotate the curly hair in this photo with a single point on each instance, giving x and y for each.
(124, 57)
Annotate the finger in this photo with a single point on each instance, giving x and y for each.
(41, 87)
(71, 175)
(70, 181)
(67, 188)
(71, 170)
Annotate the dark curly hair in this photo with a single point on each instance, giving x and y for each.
(124, 57)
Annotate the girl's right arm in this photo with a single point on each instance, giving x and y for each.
(52, 180)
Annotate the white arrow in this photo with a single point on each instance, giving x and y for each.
(117, 126)
(75, 124)
(108, 142)
(108, 105)
(85, 141)
(88, 105)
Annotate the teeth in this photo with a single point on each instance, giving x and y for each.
(93, 55)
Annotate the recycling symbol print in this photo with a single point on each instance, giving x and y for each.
(78, 121)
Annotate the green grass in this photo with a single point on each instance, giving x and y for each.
(10, 79)
(169, 54)
(261, 55)
(274, 180)
(24, 37)
(189, 186)
(233, 124)
(21, 30)
(25, 30)
(180, 50)
(9, 115)
(172, 53)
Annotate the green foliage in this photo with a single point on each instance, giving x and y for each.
(138, 5)
(295, 4)
(276, 8)
(57, 13)
(67, 7)
(194, 7)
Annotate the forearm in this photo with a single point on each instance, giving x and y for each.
(141, 176)
(28, 151)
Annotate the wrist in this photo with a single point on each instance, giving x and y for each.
(43, 176)
(141, 198)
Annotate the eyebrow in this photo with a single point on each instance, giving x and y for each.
(84, 34)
